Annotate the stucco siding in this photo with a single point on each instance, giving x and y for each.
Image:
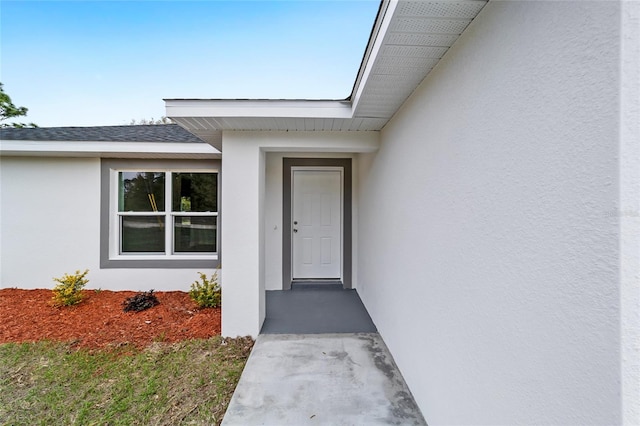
(242, 189)
(488, 233)
(630, 211)
(50, 225)
(252, 216)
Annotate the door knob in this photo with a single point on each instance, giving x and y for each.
(295, 222)
(295, 230)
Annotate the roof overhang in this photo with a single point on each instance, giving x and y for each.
(407, 41)
(252, 108)
(157, 150)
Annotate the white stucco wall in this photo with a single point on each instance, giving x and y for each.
(50, 225)
(630, 211)
(252, 208)
(242, 188)
(489, 231)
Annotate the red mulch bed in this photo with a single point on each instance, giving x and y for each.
(99, 321)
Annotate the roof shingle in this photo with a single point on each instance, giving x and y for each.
(133, 133)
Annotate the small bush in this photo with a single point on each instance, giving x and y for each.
(140, 301)
(68, 290)
(206, 292)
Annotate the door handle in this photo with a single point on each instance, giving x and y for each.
(295, 230)
(295, 222)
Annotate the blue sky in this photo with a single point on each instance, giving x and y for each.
(83, 63)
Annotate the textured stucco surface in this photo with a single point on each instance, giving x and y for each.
(630, 211)
(242, 189)
(252, 213)
(489, 251)
(50, 225)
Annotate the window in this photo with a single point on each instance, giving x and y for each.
(167, 212)
(160, 216)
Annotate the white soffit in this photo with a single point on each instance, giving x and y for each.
(417, 36)
(409, 39)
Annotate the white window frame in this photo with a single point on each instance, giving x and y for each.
(111, 256)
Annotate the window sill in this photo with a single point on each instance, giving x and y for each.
(185, 256)
(160, 262)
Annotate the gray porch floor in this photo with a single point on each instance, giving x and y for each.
(316, 309)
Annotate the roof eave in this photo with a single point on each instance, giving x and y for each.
(253, 108)
(380, 26)
(407, 41)
(108, 149)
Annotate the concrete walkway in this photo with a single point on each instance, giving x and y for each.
(321, 379)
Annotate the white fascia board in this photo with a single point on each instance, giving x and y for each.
(283, 108)
(375, 50)
(223, 108)
(87, 148)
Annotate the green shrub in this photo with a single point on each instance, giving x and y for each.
(68, 290)
(206, 291)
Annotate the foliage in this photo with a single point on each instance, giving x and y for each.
(144, 121)
(9, 110)
(68, 291)
(189, 382)
(196, 192)
(191, 191)
(139, 188)
(206, 292)
(141, 301)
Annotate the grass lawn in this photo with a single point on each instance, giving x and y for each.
(189, 382)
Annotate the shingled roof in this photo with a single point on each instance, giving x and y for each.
(137, 133)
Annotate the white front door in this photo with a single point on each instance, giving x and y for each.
(316, 224)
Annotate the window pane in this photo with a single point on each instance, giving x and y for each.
(195, 234)
(195, 192)
(141, 192)
(142, 234)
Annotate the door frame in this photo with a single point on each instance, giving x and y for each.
(315, 163)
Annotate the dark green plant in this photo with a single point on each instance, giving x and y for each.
(140, 302)
(206, 291)
(9, 110)
(68, 291)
